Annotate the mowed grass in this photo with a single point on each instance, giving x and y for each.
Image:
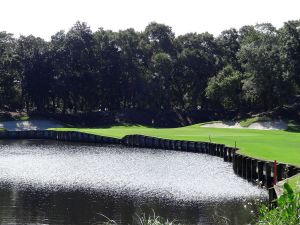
(282, 146)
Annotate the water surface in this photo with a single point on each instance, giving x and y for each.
(47, 182)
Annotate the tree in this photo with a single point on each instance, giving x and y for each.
(108, 67)
(161, 81)
(35, 72)
(9, 76)
(289, 36)
(226, 89)
(160, 38)
(132, 66)
(255, 68)
(260, 57)
(197, 62)
(229, 44)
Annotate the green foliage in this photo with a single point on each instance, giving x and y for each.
(226, 88)
(293, 126)
(254, 69)
(268, 85)
(247, 122)
(294, 182)
(287, 211)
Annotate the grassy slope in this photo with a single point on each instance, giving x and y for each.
(247, 122)
(282, 146)
(295, 182)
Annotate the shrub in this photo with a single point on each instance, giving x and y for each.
(287, 211)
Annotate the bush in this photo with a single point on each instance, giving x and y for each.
(287, 211)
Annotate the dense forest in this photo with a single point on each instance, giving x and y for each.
(255, 68)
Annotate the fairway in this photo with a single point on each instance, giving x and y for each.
(270, 145)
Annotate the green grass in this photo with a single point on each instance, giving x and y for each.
(8, 117)
(282, 146)
(2, 129)
(23, 118)
(247, 122)
(295, 182)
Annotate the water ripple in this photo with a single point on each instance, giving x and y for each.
(126, 171)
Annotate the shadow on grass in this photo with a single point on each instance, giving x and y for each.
(116, 125)
(293, 127)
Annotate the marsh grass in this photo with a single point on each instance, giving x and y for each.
(152, 219)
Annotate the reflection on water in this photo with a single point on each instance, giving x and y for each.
(45, 182)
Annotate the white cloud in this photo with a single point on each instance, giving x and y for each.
(46, 17)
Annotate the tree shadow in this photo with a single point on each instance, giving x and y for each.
(293, 127)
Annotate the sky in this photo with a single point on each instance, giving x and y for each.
(44, 18)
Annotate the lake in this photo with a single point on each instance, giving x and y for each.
(57, 183)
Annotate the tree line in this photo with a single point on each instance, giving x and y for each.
(255, 68)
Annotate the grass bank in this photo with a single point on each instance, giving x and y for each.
(282, 146)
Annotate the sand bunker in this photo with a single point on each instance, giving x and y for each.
(268, 125)
(29, 125)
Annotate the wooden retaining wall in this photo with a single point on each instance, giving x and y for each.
(71, 136)
(251, 169)
(254, 170)
(259, 172)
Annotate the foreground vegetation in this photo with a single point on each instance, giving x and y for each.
(287, 211)
(295, 182)
(144, 220)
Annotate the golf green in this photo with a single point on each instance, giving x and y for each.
(282, 146)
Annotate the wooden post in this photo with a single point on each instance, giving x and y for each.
(244, 167)
(280, 172)
(248, 169)
(275, 173)
(225, 154)
(234, 164)
(268, 177)
(254, 176)
(240, 165)
(199, 147)
(260, 171)
(230, 154)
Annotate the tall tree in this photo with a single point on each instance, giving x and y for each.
(35, 72)
(9, 76)
(289, 36)
(198, 59)
(229, 45)
(260, 56)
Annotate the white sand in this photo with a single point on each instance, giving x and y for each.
(29, 125)
(270, 125)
